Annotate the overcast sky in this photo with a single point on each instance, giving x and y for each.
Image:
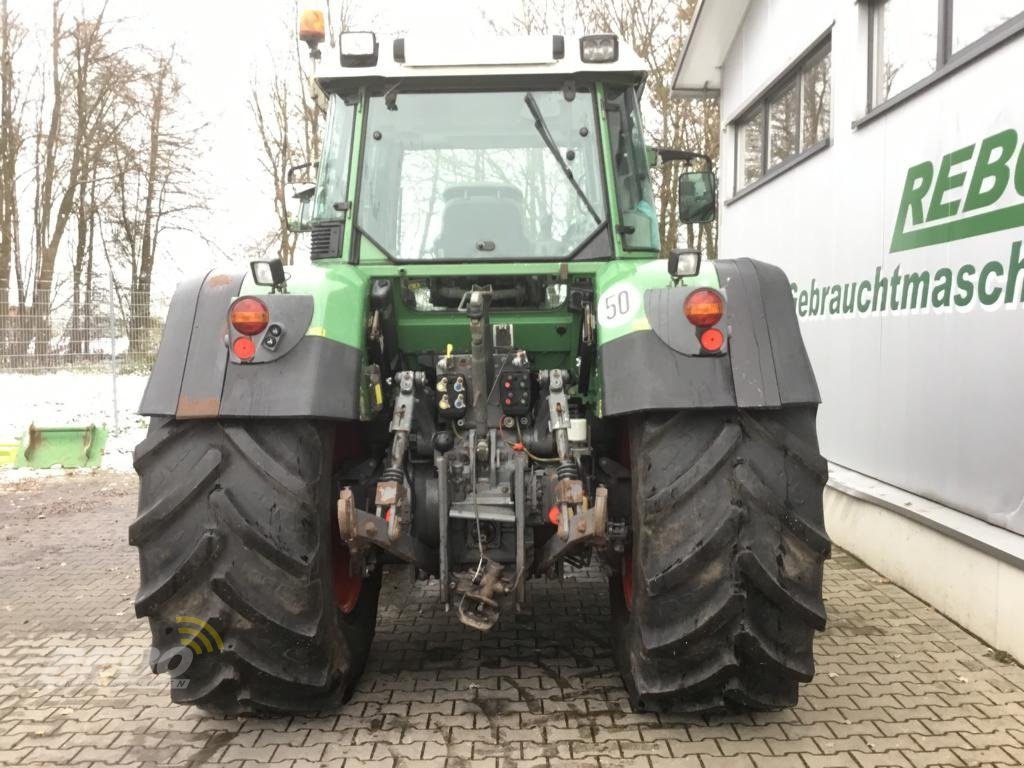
(224, 45)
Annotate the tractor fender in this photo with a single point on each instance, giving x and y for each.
(765, 364)
(196, 376)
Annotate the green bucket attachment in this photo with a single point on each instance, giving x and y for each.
(68, 447)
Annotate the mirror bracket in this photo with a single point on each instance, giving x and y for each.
(670, 155)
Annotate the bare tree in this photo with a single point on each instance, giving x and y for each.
(12, 138)
(153, 191)
(106, 154)
(85, 88)
(113, 76)
(287, 120)
(274, 116)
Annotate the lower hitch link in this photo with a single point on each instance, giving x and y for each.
(579, 526)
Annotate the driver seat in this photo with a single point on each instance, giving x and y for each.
(483, 221)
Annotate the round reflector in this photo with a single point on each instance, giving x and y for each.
(249, 316)
(712, 339)
(704, 307)
(243, 348)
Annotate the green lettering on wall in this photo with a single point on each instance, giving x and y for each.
(965, 292)
(1015, 269)
(915, 288)
(863, 303)
(945, 220)
(833, 303)
(919, 180)
(993, 163)
(942, 287)
(947, 181)
(986, 296)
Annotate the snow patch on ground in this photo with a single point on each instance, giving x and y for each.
(72, 398)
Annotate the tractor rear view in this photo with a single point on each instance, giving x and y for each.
(489, 372)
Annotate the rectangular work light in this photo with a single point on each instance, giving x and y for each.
(358, 49)
(599, 49)
(268, 273)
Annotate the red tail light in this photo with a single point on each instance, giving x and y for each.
(249, 316)
(704, 307)
(712, 339)
(244, 348)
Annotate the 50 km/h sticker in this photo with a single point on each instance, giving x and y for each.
(618, 305)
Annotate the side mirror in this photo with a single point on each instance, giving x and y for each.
(698, 197)
(683, 262)
(297, 201)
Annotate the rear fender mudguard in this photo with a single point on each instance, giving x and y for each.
(766, 364)
(195, 376)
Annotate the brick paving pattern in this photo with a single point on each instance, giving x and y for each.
(897, 684)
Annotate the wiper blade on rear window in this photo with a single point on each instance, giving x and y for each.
(549, 142)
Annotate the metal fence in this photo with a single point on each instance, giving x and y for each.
(120, 328)
(80, 359)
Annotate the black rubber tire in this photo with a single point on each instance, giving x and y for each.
(728, 549)
(235, 529)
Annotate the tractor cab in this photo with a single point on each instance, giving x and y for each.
(516, 150)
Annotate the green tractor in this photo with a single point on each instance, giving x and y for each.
(491, 370)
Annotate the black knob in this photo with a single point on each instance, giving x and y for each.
(443, 441)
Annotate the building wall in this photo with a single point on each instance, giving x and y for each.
(927, 399)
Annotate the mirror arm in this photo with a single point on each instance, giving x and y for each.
(669, 155)
(290, 176)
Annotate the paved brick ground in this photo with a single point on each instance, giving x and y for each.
(897, 683)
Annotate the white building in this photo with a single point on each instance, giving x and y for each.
(875, 151)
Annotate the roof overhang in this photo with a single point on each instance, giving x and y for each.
(715, 24)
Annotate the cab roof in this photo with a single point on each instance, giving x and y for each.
(413, 58)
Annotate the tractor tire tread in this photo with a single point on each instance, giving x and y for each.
(249, 504)
(730, 622)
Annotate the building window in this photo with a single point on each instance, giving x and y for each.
(751, 139)
(973, 20)
(783, 124)
(911, 39)
(791, 118)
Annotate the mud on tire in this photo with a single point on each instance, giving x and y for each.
(724, 594)
(235, 530)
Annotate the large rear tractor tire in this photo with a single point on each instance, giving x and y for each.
(243, 578)
(720, 593)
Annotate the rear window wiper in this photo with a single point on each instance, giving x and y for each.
(549, 142)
